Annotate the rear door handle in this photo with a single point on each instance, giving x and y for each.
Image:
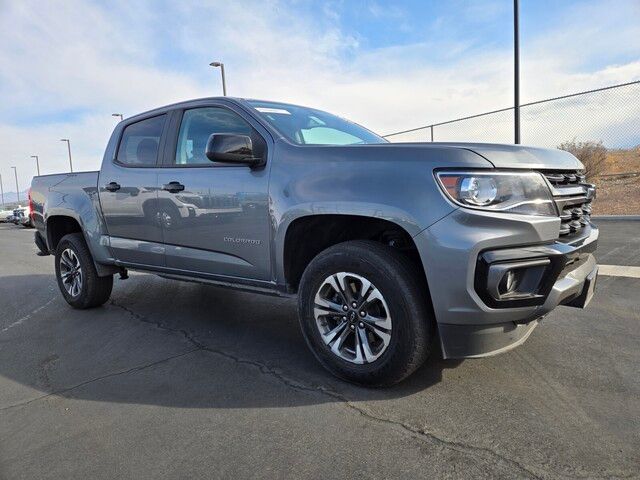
(112, 186)
(173, 187)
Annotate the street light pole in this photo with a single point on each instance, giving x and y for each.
(224, 81)
(15, 171)
(118, 115)
(69, 150)
(1, 190)
(37, 163)
(516, 72)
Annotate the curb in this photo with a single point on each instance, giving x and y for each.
(615, 217)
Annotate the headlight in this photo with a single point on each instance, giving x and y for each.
(526, 193)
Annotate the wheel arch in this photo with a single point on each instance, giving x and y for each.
(308, 235)
(61, 224)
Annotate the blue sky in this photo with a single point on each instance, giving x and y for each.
(68, 65)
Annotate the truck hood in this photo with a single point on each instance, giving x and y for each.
(519, 156)
(455, 155)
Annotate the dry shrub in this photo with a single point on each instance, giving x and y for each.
(593, 156)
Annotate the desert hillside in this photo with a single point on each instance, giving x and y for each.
(619, 184)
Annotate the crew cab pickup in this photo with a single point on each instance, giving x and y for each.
(393, 249)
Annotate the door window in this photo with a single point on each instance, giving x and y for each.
(198, 124)
(140, 142)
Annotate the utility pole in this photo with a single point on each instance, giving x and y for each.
(1, 190)
(37, 163)
(15, 171)
(516, 72)
(224, 82)
(69, 149)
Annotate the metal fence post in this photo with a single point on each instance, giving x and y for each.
(516, 68)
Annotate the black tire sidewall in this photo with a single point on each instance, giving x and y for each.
(396, 281)
(94, 287)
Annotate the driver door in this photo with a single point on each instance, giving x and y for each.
(215, 216)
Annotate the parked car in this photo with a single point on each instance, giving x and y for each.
(390, 248)
(18, 215)
(5, 215)
(26, 220)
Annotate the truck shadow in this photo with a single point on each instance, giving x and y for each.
(168, 343)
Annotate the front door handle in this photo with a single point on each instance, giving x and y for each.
(173, 187)
(112, 186)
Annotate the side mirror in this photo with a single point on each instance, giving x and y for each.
(231, 148)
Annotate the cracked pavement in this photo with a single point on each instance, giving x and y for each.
(175, 380)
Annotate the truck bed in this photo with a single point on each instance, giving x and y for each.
(51, 191)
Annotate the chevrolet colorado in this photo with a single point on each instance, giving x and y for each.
(391, 249)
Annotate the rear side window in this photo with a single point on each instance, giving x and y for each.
(140, 142)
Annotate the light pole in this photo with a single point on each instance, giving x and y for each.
(37, 163)
(224, 82)
(1, 190)
(516, 69)
(15, 171)
(118, 115)
(69, 150)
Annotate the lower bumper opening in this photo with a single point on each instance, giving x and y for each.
(523, 277)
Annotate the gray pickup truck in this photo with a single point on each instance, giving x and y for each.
(392, 249)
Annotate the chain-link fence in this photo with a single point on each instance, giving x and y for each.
(606, 120)
(610, 115)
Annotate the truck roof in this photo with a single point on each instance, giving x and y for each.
(186, 103)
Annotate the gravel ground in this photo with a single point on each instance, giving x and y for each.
(617, 196)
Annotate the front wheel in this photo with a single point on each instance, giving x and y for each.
(77, 278)
(364, 313)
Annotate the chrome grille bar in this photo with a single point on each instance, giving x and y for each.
(573, 198)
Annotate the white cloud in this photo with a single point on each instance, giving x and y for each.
(130, 56)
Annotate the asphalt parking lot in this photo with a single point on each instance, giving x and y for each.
(178, 380)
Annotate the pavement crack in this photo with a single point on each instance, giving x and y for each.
(97, 379)
(482, 453)
(264, 369)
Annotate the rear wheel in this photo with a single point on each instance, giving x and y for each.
(364, 313)
(77, 278)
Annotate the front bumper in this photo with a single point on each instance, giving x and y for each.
(456, 253)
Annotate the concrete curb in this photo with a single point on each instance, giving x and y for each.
(615, 217)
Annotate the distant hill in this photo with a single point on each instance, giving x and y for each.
(10, 197)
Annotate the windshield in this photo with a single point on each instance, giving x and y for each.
(306, 126)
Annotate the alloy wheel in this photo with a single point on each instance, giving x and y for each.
(352, 317)
(71, 272)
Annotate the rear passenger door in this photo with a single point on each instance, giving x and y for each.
(129, 193)
(215, 216)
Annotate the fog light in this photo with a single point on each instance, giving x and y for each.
(509, 282)
(516, 280)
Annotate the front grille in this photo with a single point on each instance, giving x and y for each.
(573, 198)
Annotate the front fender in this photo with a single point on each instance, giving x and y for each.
(403, 218)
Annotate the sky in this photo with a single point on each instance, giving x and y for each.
(66, 66)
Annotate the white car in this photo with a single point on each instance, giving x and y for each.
(4, 215)
(26, 220)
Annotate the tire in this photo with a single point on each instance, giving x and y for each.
(403, 314)
(92, 290)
